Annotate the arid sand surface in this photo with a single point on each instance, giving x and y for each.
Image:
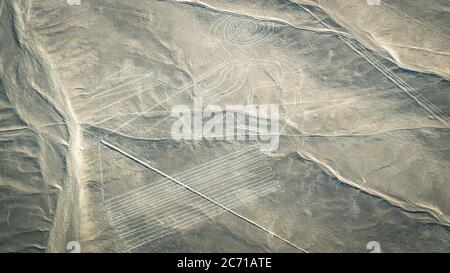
(87, 146)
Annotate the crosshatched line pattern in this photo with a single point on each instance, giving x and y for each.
(160, 208)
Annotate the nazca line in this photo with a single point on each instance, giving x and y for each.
(120, 216)
(142, 237)
(199, 194)
(180, 216)
(125, 201)
(117, 11)
(190, 171)
(357, 47)
(135, 229)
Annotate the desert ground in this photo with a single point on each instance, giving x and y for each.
(87, 147)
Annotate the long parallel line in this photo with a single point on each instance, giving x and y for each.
(140, 90)
(102, 93)
(397, 80)
(189, 171)
(382, 68)
(168, 98)
(118, 11)
(411, 92)
(159, 204)
(197, 206)
(146, 86)
(162, 186)
(147, 208)
(243, 218)
(181, 225)
(93, 97)
(158, 185)
(118, 215)
(169, 196)
(123, 69)
(208, 211)
(120, 211)
(118, 101)
(208, 208)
